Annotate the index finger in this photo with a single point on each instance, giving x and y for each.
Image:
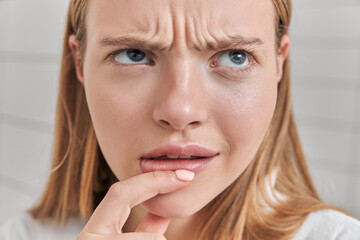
(113, 211)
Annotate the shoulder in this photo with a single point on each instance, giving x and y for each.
(24, 227)
(329, 225)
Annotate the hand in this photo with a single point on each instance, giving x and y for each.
(111, 214)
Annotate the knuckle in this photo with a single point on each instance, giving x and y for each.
(158, 176)
(115, 190)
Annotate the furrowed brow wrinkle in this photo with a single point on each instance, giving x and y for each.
(231, 42)
(133, 42)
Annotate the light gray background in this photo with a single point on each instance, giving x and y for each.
(325, 57)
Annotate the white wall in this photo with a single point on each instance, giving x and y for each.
(30, 47)
(326, 94)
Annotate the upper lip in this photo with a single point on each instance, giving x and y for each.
(173, 149)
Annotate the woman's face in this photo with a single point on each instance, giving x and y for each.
(199, 72)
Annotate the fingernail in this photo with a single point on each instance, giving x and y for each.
(184, 175)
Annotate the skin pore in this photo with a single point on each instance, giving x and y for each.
(185, 89)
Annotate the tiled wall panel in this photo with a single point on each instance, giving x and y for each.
(13, 202)
(21, 90)
(326, 144)
(330, 62)
(326, 95)
(30, 47)
(326, 21)
(34, 26)
(337, 104)
(25, 154)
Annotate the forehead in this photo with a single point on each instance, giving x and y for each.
(186, 22)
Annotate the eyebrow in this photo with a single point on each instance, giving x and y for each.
(233, 41)
(131, 42)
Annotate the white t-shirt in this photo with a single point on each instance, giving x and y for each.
(320, 225)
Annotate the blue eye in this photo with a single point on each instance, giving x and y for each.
(233, 58)
(130, 56)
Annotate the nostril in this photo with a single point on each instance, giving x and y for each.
(165, 122)
(195, 123)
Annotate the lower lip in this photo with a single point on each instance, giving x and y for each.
(194, 165)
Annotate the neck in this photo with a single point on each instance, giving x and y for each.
(178, 229)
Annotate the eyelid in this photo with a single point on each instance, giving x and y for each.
(148, 54)
(251, 55)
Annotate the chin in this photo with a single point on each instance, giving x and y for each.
(171, 206)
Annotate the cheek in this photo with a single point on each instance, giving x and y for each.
(247, 113)
(244, 117)
(118, 117)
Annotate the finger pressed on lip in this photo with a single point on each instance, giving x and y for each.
(184, 175)
(113, 211)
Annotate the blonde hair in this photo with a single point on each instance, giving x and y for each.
(250, 208)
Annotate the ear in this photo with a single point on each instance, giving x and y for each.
(282, 55)
(74, 46)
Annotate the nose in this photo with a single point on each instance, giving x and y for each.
(181, 101)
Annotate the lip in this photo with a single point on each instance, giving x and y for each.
(172, 149)
(147, 164)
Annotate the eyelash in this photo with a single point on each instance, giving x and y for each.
(112, 56)
(250, 54)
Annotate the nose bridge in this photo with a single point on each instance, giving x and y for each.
(181, 100)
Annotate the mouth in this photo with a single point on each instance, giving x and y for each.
(176, 157)
(169, 157)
